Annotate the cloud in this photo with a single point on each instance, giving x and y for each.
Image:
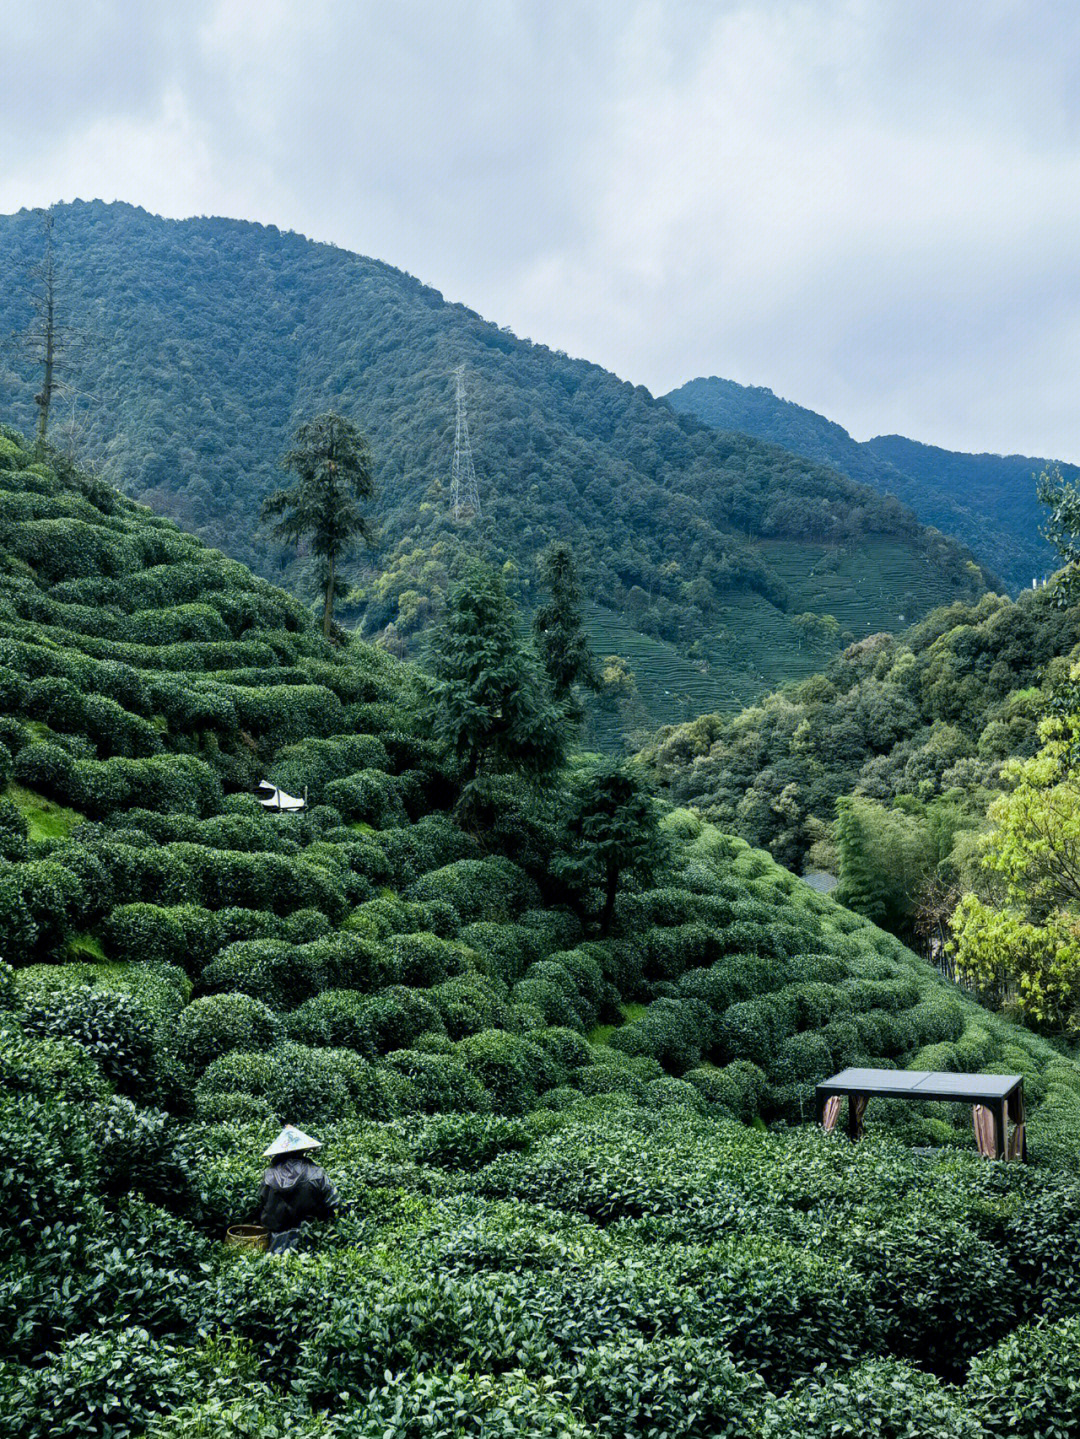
(870, 205)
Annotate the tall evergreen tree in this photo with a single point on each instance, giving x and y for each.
(611, 834)
(561, 642)
(335, 477)
(490, 701)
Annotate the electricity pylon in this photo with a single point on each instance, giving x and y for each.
(463, 492)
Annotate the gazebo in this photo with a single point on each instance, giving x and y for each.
(996, 1100)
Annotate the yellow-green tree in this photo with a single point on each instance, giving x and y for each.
(1022, 931)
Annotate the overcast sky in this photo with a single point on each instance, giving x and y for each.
(871, 206)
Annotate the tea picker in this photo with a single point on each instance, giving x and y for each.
(293, 1189)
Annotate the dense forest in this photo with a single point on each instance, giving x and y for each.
(909, 731)
(562, 1209)
(192, 349)
(987, 501)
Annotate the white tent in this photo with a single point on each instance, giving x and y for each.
(278, 799)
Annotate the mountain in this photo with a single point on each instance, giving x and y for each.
(987, 501)
(711, 561)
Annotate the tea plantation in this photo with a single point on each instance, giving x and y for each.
(581, 1195)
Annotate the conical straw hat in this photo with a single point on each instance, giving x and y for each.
(291, 1141)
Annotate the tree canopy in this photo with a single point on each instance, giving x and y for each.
(335, 480)
(490, 703)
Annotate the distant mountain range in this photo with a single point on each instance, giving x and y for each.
(710, 560)
(987, 501)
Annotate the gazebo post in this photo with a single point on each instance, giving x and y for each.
(853, 1117)
(1000, 1130)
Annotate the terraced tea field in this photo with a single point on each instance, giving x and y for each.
(878, 585)
(881, 585)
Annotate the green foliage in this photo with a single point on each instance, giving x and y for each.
(220, 1022)
(551, 1220)
(675, 527)
(880, 1399)
(334, 469)
(489, 702)
(113, 1028)
(111, 1385)
(1027, 1384)
(561, 642)
(909, 731)
(987, 501)
(612, 834)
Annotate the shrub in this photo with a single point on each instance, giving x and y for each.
(371, 1024)
(136, 932)
(465, 1141)
(802, 1057)
(567, 1048)
(730, 980)
(47, 1068)
(552, 989)
(110, 1385)
(469, 1003)
(675, 1032)
(479, 889)
(13, 826)
(7, 986)
(937, 1018)
(739, 1087)
(670, 1093)
(425, 960)
(116, 1030)
(440, 1083)
(682, 1387)
(1027, 1385)
(321, 1085)
(49, 1165)
(754, 1029)
(458, 1403)
(880, 1399)
(212, 1026)
(369, 796)
(506, 950)
(284, 975)
(510, 1068)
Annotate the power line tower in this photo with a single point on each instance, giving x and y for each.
(463, 492)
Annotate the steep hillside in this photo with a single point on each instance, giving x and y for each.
(195, 347)
(923, 720)
(556, 1218)
(987, 501)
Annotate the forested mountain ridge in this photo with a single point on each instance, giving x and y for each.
(557, 1216)
(910, 732)
(197, 346)
(987, 501)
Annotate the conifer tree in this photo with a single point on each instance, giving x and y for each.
(490, 703)
(560, 640)
(611, 834)
(335, 476)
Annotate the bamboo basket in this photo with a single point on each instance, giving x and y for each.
(247, 1236)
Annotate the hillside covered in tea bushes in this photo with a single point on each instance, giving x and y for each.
(562, 1210)
(987, 501)
(194, 348)
(910, 731)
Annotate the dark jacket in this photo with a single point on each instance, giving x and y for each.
(294, 1189)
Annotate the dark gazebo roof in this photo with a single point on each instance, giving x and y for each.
(923, 1084)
